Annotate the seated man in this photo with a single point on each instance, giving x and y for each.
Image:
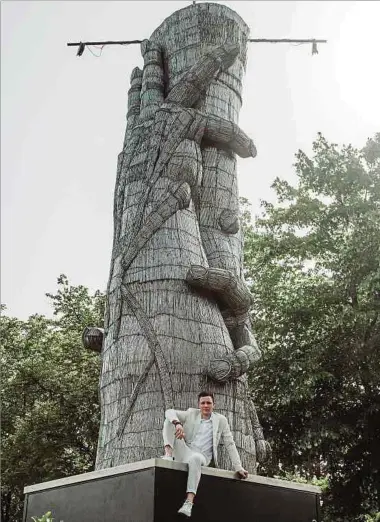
(192, 437)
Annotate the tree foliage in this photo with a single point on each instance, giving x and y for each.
(50, 411)
(313, 262)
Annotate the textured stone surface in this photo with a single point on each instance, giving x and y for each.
(177, 306)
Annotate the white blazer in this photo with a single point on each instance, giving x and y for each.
(191, 420)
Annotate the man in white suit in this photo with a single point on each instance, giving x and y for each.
(192, 437)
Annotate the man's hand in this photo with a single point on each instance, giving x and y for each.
(179, 432)
(243, 473)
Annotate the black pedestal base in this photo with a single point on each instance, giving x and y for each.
(153, 491)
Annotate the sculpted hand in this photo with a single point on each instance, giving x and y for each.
(157, 190)
(179, 432)
(162, 154)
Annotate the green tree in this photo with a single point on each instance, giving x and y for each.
(50, 412)
(313, 263)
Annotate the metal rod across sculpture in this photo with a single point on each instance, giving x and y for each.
(177, 316)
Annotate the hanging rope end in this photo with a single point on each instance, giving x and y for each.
(81, 49)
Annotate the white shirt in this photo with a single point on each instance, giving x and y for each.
(203, 439)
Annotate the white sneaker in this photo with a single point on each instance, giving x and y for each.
(167, 457)
(186, 508)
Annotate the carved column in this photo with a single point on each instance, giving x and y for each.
(177, 313)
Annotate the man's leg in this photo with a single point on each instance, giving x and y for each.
(184, 454)
(174, 447)
(168, 434)
(196, 461)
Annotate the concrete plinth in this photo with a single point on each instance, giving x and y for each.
(153, 490)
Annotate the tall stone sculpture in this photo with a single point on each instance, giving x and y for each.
(177, 306)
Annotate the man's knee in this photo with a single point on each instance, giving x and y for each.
(197, 460)
(168, 433)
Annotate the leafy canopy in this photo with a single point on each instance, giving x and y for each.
(50, 409)
(312, 259)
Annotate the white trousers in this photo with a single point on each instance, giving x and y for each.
(183, 453)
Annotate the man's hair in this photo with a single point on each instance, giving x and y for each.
(206, 394)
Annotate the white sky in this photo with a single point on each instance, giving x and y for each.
(63, 119)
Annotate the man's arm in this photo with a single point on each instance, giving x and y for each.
(176, 415)
(232, 451)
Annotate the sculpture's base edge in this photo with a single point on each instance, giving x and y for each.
(153, 491)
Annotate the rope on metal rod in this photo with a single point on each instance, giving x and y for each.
(285, 40)
(313, 41)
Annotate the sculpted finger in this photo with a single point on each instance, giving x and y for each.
(152, 92)
(92, 338)
(173, 125)
(134, 100)
(230, 290)
(134, 94)
(185, 163)
(195, 83)
(234, 364)
(178, 196)
(225, 134)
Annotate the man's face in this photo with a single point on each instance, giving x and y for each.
(206, 405)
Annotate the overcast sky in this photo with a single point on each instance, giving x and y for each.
(63, 119)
